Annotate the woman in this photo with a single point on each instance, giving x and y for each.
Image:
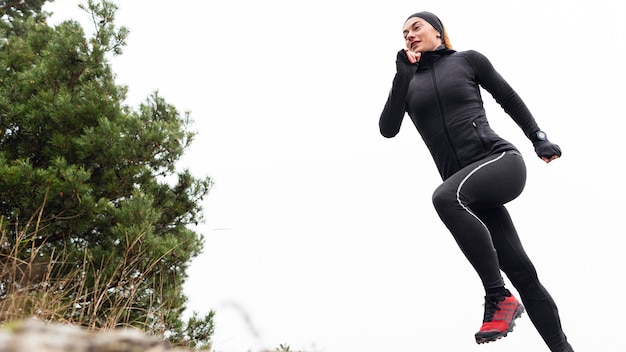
(439, 88)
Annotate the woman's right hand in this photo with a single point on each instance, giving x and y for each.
(406, 63)
(413, 57)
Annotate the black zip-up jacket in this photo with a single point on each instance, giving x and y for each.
(442, 97)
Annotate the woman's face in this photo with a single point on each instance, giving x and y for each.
(420, 36)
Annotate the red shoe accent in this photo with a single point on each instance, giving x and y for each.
(499, 318)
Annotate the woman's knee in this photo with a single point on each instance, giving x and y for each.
(443, 197)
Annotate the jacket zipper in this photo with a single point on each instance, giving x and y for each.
(441, 111)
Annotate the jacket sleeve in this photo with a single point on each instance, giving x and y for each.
(503, 93)
(395, 107)
(393, 112)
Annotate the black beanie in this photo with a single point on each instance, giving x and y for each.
(430, 18)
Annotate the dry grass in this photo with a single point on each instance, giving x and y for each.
(35, 282)
(45, 283)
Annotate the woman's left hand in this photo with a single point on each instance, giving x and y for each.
(547, 150)
(554, 157)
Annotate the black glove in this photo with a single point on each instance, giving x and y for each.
(546, 149)
(403, 66)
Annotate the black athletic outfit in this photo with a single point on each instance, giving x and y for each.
(480, 170)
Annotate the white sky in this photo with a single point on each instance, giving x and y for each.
(320, 233)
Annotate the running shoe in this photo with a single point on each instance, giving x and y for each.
(500, 314)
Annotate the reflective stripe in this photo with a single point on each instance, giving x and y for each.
(458, 190)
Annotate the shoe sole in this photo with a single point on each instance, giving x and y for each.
(486, 339)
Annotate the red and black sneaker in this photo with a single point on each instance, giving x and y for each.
(500, 314)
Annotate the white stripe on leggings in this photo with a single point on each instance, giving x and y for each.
(458, 190)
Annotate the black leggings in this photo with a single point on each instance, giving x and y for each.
(471, 204)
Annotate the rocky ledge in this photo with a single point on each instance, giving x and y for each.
(35, 336)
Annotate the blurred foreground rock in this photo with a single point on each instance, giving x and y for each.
(35, 336)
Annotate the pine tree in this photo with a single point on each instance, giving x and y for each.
(85, 175)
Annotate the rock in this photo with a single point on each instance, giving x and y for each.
(35, 336)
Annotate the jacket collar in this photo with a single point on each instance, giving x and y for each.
(438, 52)
(429, 57)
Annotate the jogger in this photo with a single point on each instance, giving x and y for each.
(440, 89)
